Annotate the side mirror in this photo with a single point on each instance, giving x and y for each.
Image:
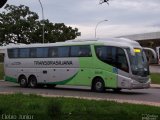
(2, 3)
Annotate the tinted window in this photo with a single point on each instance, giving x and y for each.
(13, 53)
(63, 51)
(24, 53)
(81, 51)
(107, 54)
(114, 56)
(33, 52)
(53, 52)
(121, 60)
(59, 52)
(42, 52)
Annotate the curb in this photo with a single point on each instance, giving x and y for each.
(155, 86)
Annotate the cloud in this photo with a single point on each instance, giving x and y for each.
(104, 31)
(124, 16)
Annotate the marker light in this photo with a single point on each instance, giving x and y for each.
(137, 50)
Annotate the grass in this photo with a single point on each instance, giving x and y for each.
(155, 77)
(1, 71)
(41, 108)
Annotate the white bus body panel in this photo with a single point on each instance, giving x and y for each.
(44, 72)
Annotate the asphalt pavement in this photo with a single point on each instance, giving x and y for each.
(151, 95)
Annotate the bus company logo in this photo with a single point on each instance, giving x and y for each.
(16, 63)
(149, 117)
(53, 62)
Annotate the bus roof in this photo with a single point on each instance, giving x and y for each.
(120, 42)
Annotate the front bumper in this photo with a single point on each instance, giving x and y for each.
(133, 84)
(137, 85)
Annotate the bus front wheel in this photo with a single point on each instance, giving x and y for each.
(98, 85)
(32, 82)
(23, 81)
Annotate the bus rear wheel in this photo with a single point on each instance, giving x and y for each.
(51, 85)
(23, 81)
(98, 85)
(32, 82)
(116, 90)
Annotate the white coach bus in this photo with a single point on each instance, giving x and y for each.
(114, 63)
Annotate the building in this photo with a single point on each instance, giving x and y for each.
(151, 40)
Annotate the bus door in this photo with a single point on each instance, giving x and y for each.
(123, 67)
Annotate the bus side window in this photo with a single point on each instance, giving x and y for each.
(13, 53)
(53, 52)
(63, 51)
(101, 53)
(42, 52)
(107, 54)
(32, 52)
(74, 51)
(24, 53)
(113, 56)
(122, 60)
(84, 51)
(81, 51)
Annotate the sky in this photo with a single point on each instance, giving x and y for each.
(125, 17)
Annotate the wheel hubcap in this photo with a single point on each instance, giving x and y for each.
(98, 85)
(33, 82)
(23, 81)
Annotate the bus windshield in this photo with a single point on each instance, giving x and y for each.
(139, 63)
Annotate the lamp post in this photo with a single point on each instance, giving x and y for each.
(42, 18)
(97, 26)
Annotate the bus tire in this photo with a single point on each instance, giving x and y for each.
(40, 85)
(23, 81)
(32, 81)
(51, 85)
(98, 85)
(117, 90)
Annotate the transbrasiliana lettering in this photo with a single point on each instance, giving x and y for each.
(53, 62)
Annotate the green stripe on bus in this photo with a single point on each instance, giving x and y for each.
(63, 82)
(10, 79)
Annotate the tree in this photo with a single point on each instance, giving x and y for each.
(58, 32)
(20, 25)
